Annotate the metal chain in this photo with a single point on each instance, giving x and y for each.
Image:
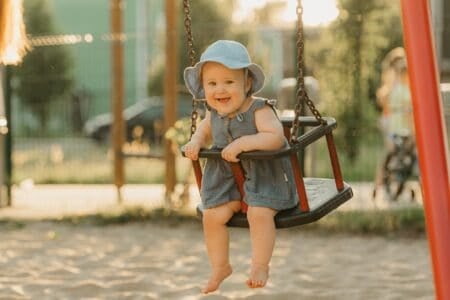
(192, 59)
(188, 29)
(301, 94)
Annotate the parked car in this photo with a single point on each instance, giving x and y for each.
(147, 114)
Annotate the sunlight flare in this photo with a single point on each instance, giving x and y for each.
(315, 12)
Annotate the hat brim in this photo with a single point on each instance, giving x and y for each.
(192, 78)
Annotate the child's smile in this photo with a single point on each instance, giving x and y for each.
(225, 89)
(223, 100)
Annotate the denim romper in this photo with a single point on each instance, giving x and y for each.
(268, 183)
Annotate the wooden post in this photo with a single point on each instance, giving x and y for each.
(117, 91)
(170, 94)
(8, 140)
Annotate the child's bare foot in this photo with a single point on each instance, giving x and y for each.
(217, 276)
(258, 276)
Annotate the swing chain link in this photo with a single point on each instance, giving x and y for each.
(301, 94)
(191, 56)
(188, 29)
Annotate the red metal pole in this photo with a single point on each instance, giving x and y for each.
(431, 138)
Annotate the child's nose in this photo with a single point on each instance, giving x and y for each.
(221, 88)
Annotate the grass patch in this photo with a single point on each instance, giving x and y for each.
(11, 224)
(132, 215)
(361, 169)
(406, 221)
(80, 160)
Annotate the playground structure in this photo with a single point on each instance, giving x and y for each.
(429, 123)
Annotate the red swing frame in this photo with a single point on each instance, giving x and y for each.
(303, 213)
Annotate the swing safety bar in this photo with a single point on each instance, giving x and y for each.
(303, 141)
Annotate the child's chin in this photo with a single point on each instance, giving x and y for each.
(224, 112)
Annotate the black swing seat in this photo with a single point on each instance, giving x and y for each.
(322, 194)
(323, 197)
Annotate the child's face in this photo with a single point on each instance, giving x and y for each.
(225, 89)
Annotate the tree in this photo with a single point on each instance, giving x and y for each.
(45, 74)
(347, 60)
(210, 22)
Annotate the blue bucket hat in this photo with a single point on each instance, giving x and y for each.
(232, 55)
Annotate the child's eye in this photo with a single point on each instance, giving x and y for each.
(229, 82)
(212, 83)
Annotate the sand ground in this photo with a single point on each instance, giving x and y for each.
(48, 260)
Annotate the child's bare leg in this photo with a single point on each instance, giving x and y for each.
(262, 235)
(217, 242)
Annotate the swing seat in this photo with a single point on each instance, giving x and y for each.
(323, 197)
(317, 196)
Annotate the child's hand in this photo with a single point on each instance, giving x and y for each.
(191, 150)
(230, 152)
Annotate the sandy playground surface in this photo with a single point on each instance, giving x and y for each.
(46, 260)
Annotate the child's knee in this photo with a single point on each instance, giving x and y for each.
(260, 214)
(211, 216)
(219, 215)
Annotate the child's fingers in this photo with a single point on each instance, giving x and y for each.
(194, 156)
(191, 151)
(191, 154)
(229, 156)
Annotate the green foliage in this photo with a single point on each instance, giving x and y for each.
(180, 132)
(407, 222)
(346, 59)
(80, 160)
(126, 215)
(45, 75)
(210, 22)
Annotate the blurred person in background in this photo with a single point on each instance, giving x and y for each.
(394, 98)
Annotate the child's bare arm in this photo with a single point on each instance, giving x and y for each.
(199, 139)
(270, 136)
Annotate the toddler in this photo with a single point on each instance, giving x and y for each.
(236, 122)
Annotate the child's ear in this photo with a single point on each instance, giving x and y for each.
(248, 84)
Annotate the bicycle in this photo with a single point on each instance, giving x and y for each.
(398, 166)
